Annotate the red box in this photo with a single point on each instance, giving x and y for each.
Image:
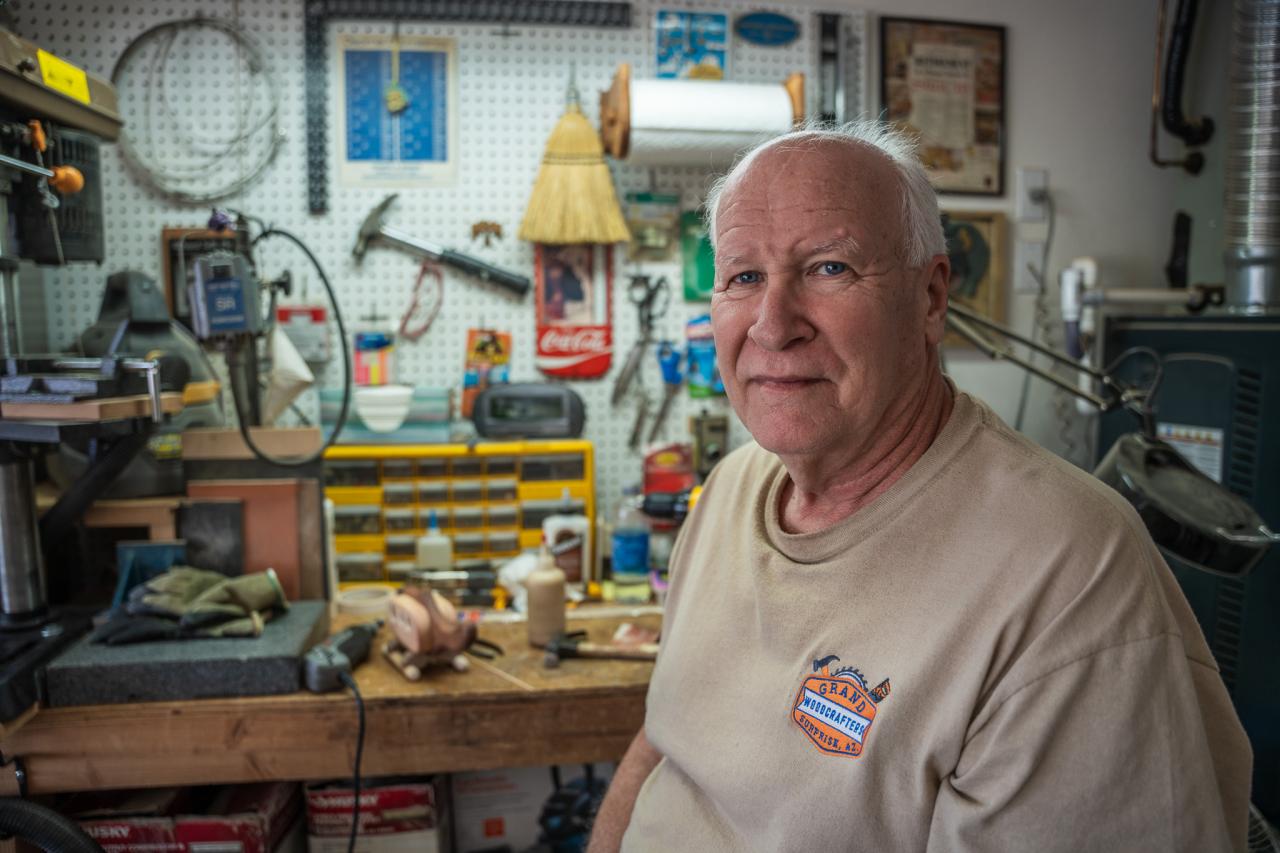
(395, 815)
(257, 817)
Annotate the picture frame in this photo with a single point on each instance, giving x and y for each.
(573, 309)
(976, 247)
(945, 82)
(192, 242)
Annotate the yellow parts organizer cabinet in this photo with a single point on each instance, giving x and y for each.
(490, 499)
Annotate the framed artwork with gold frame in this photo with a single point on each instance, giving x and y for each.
(976, 247)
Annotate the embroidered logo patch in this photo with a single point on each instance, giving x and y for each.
(836, 708)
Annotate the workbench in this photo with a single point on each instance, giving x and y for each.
(511, 712)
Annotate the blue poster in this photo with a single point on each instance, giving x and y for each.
(691, 44)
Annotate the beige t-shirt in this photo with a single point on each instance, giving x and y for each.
(990, 656)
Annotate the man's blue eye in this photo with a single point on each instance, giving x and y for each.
(746, 278)
(832, 267)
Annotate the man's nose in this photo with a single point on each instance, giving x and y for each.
(781, 319)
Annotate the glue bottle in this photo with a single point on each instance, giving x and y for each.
(631, 551)
(545, 585)
(434, 550)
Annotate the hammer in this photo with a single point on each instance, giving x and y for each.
(373, 228)
(573, 645)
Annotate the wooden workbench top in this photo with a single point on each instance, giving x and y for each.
(511, 712)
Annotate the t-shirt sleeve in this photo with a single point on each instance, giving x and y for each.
(1133, 747)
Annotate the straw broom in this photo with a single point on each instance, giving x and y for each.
(573, 199)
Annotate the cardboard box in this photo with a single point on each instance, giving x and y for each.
(395, 815)
(233, 819)
(494, 809)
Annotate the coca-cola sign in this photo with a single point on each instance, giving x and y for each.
(573, 307)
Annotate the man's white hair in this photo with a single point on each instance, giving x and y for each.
(921, 220)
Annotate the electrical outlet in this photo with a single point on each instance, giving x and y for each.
(1031, 184)
(1027, 252)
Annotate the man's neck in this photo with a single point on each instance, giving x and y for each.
(814, 499)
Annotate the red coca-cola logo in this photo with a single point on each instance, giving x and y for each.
(583, 339)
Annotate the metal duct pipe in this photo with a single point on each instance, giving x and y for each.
(1253, 160)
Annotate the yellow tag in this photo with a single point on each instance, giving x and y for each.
(62, 76)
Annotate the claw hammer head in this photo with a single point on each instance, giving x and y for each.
(371, 228)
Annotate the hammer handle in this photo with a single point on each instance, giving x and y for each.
(643, 651)
(517, 284)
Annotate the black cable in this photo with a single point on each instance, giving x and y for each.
(297, 462)
(350, 682)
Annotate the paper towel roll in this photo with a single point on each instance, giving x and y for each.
(694, 122)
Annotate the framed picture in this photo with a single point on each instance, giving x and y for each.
(396, 103)
(191, 243)
(976, 247)
(573, 287)
(944, 81)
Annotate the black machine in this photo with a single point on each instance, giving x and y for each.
(1219, 405)
(531, 410)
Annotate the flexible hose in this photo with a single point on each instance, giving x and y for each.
(44, 827)
(1191, 131)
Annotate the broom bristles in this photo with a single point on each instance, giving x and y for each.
(573, 200)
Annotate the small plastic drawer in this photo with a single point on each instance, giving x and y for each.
(398, 469)
(359, 567)
(433, 491)
(468, 466)
(468, 543)
(500, 490)
(500, 466)
(400, 519)
(351, 472)
(533, 513)
(501, 542)
(444, 517)
(398, 493)
(402, 546)
(357, 519)
(467, 491)
(433, 468)
(502, 515)
(553, 466)
(398, 570)
(468, 518)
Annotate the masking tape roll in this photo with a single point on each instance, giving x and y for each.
(365, 600)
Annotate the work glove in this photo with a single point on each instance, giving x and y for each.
(124, 627)
(236, 607)
(169, 594)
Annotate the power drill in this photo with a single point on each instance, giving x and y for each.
(325, 664)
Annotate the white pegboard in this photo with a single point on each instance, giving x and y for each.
(511, 88)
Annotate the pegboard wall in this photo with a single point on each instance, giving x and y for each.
(511, 83)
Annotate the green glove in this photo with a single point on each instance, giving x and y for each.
(171, 593)
(249, 597)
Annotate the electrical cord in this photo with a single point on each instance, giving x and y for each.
(237, 391)
(350, 683)
(172, 179)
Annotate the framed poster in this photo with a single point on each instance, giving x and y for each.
(976, 247)
(191, 243)
(397, 110)
(945, 82)
(573, 288)
(691, 45)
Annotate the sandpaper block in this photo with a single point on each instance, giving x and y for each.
(91, 673)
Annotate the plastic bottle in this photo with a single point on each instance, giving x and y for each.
(545, 586)
(434, 549)
(631, 551)
(566, 534)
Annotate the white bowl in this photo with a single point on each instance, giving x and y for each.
(383, 408)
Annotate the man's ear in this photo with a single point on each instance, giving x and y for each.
(937, 285)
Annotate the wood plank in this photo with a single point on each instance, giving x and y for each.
(586, 710)
(103, 409)
(208, 443)
(158, 515)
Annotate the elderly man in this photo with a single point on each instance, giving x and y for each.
(894, 623)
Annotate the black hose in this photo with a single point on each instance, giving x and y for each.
(1190, 131)
(44, 827)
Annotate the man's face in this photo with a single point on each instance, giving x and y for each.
(823, 335)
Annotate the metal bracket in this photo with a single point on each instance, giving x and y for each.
(319, 13)
(19, 773)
